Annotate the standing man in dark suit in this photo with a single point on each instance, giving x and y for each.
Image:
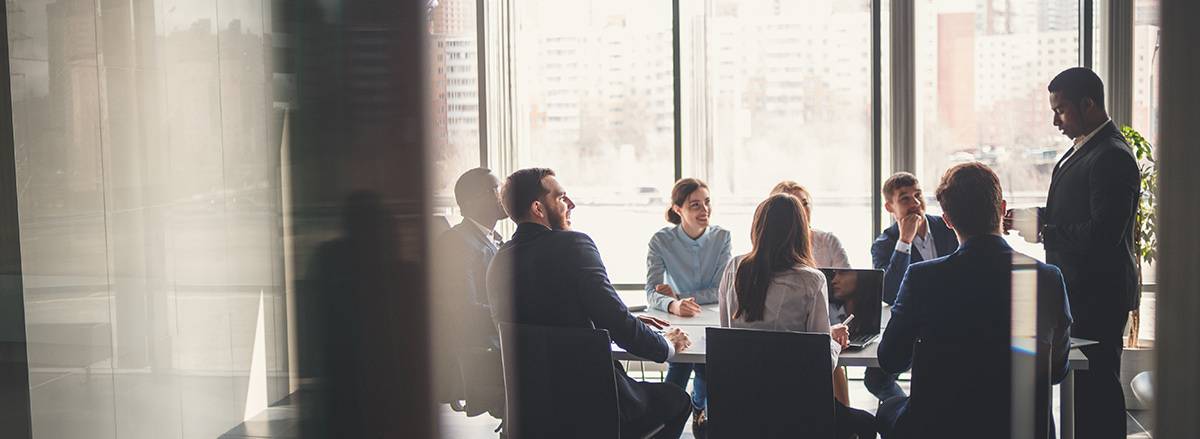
(1087, 229)
(548, 275)
(961, 304)
(463, 254)
(914, 237)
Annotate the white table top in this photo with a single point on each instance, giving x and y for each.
(708, 316)
(866, 357)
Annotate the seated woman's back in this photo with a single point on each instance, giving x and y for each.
(776, 288)
(797, 300)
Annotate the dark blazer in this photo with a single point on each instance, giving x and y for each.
(1088, 226)
(960, 305)
(556, 278)
(894, 263)
(464, 320)
(464, 254)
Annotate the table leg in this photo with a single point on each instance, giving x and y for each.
(1066, 412)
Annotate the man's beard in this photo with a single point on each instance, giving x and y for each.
(558, 221)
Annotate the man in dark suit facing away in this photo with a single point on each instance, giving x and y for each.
(1087, 230)
(549, 275)
(914, 237)
(960, 305)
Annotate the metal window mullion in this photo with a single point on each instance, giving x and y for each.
(903, 80)
(678, 89)
(1119, 49)
(1086, 34)
(481, 39)
(876, 174)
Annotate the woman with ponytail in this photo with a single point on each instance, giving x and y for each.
(683, 267)
(775, 287)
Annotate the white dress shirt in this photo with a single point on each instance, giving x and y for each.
(489, 235)
(797, 300)
(924, 245)
(827, 251)
(1080, 141)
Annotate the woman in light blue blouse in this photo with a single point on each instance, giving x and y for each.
(683, 271)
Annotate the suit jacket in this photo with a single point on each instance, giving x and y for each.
(960, 305)
(556, 278)
(464, 255)
(894, 263)
(1088, 226)
(464, 320)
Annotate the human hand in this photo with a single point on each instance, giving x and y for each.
(653, 321)
(909, 225)
(665, 290)
(684, 307)
(678, 338)
(841, 334)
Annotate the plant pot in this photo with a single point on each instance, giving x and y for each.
(1135, 361)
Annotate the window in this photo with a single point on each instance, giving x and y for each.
(594, 103)
(982, 70)
(1147, 21)
(454, 98)
(1145, 69)
(781, 91)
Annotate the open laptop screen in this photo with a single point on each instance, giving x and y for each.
(858, 292)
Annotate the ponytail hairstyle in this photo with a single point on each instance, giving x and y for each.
(780, 239)
(679, 195)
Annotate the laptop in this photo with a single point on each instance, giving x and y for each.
(858, 292)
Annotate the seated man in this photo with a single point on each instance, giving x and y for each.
(548, 275)
(462, 255)
(960, 305)
(914, 237)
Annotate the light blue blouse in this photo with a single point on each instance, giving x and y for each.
(692, 267)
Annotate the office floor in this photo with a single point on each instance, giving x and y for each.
(281, 421)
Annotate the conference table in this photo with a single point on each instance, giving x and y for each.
(865, 357)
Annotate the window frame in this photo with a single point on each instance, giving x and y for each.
(499, 132)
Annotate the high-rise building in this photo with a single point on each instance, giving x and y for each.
(454, 87)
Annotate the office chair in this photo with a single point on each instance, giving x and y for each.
(767, 384)
(559, 383)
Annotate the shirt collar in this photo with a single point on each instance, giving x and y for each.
(487, 233)
(688, 239)
(928, 233)
(1084, 140)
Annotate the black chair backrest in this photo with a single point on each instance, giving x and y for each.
(766, 384)
(558, 383)
(942, 381)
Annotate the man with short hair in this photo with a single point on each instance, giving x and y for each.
(463, 254)
(914, 237)
(478, 196)
(960, 304)
(549, 275)
(1087, 230)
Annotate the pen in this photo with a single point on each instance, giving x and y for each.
(849, 319)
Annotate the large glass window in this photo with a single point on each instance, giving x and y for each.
(1147, 21)
(1145, 68)
(453, 97)
(594, 86)
(783, 92)
(982, 70)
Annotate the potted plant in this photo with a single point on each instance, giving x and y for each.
(1139, 354)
